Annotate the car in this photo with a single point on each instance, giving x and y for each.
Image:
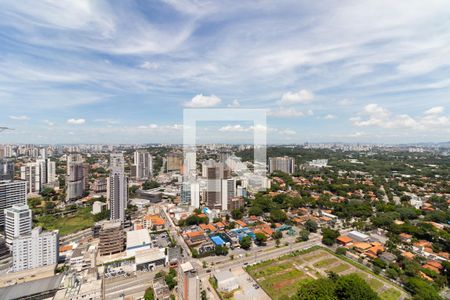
(245, 263)
(208, 271)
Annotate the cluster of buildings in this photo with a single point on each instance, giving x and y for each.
(28, 247)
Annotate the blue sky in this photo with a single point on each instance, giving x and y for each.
(124, 71)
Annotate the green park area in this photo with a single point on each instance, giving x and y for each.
(80, 220)
(282, 278)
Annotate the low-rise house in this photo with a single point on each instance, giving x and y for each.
(405, 237)
(408, 255)
(344, 240)
(361, 246)
(153, 221)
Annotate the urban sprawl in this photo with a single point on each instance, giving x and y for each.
(314, 221)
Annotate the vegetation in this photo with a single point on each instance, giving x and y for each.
(246, 242)
(347, 287)
(80, 220)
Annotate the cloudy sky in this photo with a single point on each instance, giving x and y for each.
(124, 71)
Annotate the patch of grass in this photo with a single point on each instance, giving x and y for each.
(317, 255)
(375, 284)
(340, 268)
(279, 279)
(275, 287)
(325, 262)
(82, 219)
(390, 294)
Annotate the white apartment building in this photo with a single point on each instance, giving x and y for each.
(38, 249)
(11, 192)
(18, 222)
(190, 193)
(31, 173)
(51, 171)
(228, 192)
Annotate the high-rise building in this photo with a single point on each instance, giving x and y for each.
(6, 169)
(5, 256)
(117, 188)
(31, 173)
(190, 164)
(11, 192)
(174, 161)
(189, 282)
(112, 238)
(86, 168)
(51, 171)
(42, 165)
(228, 192)
(142, 165)
(190, 193)
(75, 179)
(18, 221)
(284, 164)
(214, 172)
(38, 249)
(100, 185)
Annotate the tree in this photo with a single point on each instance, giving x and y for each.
(311, 226)
(341, 250)
(261, 238)
(277, 235)
(329, 236)
(353, 287)
(421, 289)
(277, 215)
(150, 184)
(303, 235)
(236, 214)
(170, 279)
(335, 287)
(322, 289)
(246, 242)
(221, 250)
(203, 295)
(149, 294)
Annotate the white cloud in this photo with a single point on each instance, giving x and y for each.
(233, 128)
(329, 117)
(287, 132)
(49, 123)
(300, 97)
(149, 65)
(19, 118)
(200, 101)
(345, 102)
(375, 115)
(76, 121)
(107, 121)
(435, 110)
(286, 113)
(234, 104)
(161, 127)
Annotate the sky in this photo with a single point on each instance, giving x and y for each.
(325, 71)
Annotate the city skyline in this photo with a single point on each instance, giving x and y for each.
(330, 72)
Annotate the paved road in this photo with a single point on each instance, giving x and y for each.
(128, 286)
